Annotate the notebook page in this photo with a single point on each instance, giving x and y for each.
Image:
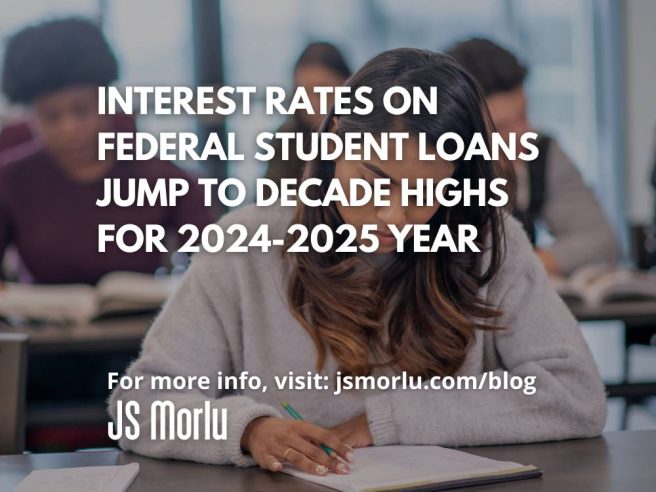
(82, 479)
(387, 466)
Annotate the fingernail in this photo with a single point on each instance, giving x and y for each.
(277, 465)
(341, 468)
(349, 456)
(321, 470)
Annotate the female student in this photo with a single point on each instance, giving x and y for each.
(320, 64)
(49, 187)
(427, 314)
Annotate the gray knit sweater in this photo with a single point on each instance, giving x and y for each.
(229, 314)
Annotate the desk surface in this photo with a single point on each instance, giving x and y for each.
(118, 333)
(635, 313)
(618, 461)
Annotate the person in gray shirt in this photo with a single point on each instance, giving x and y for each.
(549, 189)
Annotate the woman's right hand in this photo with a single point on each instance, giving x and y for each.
(272, 441)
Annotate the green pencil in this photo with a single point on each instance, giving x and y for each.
(297, 416)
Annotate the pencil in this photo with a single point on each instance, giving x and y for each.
(297, 416)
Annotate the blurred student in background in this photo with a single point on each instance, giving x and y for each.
(320, 64)
(549, 189)
(49, 186)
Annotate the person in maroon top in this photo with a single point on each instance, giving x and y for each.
(48, 190)
(49, 187)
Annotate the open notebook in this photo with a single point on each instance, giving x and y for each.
(418, 468)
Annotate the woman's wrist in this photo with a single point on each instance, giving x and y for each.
(248, 431)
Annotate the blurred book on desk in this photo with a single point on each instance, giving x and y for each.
(117, 293)
(596, 285)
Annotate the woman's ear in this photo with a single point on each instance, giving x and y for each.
(334, 125)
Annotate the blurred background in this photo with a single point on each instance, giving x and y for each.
(592, 74)
(590, 81)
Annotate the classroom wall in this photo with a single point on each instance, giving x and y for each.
(640, 86)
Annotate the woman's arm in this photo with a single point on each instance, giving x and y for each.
(189, 338)
(541, 339)
(199, 333)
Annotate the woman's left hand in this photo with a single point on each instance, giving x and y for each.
(354, 432)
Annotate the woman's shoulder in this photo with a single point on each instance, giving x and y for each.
(22, 159)
(516, 240)
(22, 168)
(518, 260)
(236, 261)
(238, 270)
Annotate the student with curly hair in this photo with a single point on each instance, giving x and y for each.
(48, 189)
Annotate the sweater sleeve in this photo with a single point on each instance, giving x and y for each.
(540, 338)
(582, 234)
(194, 335)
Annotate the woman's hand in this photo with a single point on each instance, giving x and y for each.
(354, 432)
(272, 441)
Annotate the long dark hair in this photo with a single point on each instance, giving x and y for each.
(421, 312)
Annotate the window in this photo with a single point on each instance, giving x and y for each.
(263, 39)
(572, 92)
(159, 55)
